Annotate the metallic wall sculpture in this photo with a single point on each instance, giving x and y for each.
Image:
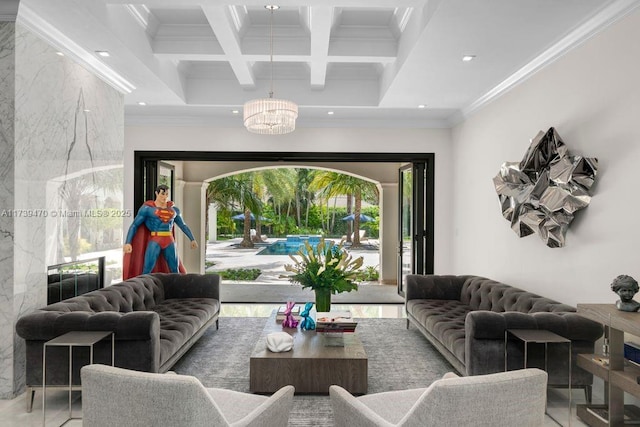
(541, 193)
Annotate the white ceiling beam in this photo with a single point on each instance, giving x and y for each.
(144, 18)
(320, 22)
(222, 24)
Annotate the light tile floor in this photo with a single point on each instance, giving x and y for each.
(13, 412)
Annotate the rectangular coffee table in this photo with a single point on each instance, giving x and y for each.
(311, 367)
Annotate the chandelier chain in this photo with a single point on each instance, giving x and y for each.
(271, 51)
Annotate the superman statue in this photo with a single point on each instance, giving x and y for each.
(152, 234)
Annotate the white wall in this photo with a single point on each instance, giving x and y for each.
(592, 97)
(160, 138)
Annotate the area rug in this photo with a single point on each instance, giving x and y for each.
(398, 359)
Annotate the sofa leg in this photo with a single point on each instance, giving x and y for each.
(30, 395)
(407, 323)
(217, 324)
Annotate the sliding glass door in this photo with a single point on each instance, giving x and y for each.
(415, 233)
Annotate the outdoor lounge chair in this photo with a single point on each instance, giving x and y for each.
(362, 233)
(254, 236)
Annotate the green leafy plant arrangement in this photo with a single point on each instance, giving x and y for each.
(326, 268)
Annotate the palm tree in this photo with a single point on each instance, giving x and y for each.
(281, 184)
(237, 189)
(276, 182)
(303, 195)
(332, 184)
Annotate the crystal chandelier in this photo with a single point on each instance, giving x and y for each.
(270, 116)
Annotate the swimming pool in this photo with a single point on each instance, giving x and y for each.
(290, 246)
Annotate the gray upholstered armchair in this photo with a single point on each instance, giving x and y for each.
(507, 399)
(121, 397)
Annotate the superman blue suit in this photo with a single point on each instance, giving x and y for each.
(152, 234)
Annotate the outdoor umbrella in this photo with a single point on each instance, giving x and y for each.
(363, 218)
(240, 217)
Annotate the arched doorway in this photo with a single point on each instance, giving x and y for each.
(363, 164)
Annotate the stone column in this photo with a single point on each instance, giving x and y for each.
(389, 233)
(213, 223)
(193, 213)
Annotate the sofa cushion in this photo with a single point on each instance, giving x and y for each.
(180, 319)
(445, 320)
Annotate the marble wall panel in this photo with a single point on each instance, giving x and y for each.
(68, 182)
(7, 90)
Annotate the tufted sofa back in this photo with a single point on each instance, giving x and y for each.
(486, 294)
(136, 294)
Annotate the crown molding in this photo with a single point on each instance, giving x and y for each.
(43, 29)
(608, 16)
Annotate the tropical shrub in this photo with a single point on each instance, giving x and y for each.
(248, 274)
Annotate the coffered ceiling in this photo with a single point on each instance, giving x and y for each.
(370, 63)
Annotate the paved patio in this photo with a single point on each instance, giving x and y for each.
(227, 254)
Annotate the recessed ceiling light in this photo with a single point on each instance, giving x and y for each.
(272, 7)
(422, 106)
(86, 110)
(102, 53)
(235, 111)
(468, 58)
(330, 113)
(142, 103)
(59, 53)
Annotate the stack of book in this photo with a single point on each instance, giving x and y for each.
(295, 311)
(335, 321)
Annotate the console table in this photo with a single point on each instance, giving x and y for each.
(619, 378)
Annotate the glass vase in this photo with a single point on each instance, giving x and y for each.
(323, 300)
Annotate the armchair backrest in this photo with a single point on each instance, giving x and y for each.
(514, 398)
(119, 397)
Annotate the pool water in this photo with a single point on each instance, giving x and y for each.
(290, 246)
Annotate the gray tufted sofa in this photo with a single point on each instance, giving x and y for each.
(465, 318)
(156, 319)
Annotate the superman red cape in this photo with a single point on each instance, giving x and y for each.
(133, 262)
